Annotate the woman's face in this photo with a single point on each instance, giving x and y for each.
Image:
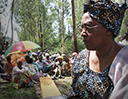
(93, 33)
(20, 64)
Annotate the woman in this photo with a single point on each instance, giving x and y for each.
(7, 65)
(19, 75)
(100, 69)
(33, 69)
(74, 54)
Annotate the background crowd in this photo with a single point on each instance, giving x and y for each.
(25, 69)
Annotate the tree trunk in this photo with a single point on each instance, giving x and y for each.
(0, 27)
(12, 9)
(74, 32)
(43, 27)
(62, 27)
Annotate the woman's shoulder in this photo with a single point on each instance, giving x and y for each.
(83, 54)
(83, 51)
(123, 51)
(122, 56)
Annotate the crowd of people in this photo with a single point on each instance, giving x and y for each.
(100, 71)
(26, 68)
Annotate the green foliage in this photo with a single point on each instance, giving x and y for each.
(30, 13)
(36, 17)
(3, 6)
(124, 27)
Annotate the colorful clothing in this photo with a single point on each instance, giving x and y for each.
(48, 60)
(20, 78)
(44, 66)
(60, 67)
(16, 71)
(7, 67)
(32, 68)
(42, 63)
(20, 75)
(5, 85)
(16, 56)
(88, 84)
(111, 83)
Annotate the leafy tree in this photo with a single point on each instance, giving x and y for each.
(49, 23)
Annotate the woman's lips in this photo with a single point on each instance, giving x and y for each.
(85, 41)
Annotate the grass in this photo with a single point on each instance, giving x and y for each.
(34, 92)
(22, 93)
(63, 85)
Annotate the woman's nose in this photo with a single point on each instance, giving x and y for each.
(84, 32)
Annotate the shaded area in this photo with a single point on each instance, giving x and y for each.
(34, 92)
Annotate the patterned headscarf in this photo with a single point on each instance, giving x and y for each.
(108, 13)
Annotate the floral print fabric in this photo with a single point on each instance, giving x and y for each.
(88, 84)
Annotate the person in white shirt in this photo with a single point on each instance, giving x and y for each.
(19, 74)
(125, 39)
(45, 67)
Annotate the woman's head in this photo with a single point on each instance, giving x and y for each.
(28, 59)
(126, 36)
(109, 14)
(94, 34)
(40, 58)
(8, 59)
(19, 63)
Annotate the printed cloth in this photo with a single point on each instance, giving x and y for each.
(7, 84)
(16, 71)
(88, 84)
(20, 78)
(108, 13)
(32, 68)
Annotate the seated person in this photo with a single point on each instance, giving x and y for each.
(124, 40)
(32, 68)
(19, 74)
(74, 54)
(45, 67)
(7, 65)
(66, 70)
(59, 68)
(47, 58)
(1, 67)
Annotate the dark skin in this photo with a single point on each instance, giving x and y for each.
(19, 64)
(40, 59)
(126, 36)
(101, 44)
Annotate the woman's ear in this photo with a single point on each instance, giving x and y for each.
(109, 33)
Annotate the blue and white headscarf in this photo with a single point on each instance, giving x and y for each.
(108, 13)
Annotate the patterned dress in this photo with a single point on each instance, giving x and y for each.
(32, 68)
(88, 84)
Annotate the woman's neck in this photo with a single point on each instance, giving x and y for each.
(106, 50)
(100, 60)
